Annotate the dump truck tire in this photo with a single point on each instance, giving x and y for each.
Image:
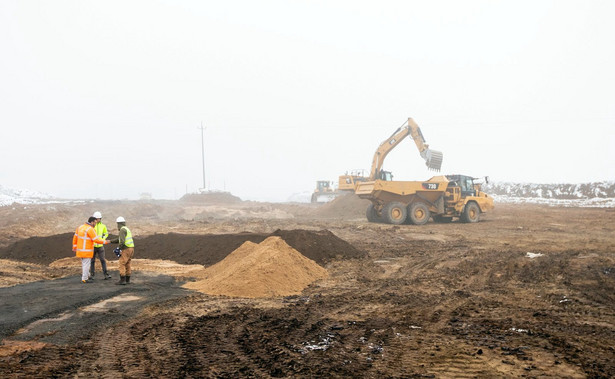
(371, 214)
(471, 213)
(418, 213)
(394, 213)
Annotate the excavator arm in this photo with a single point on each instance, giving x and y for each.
(433, 158)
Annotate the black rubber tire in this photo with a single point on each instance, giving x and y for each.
(442, 219)
(371, 214)
(418, 213)
(394, 213)
(471, 213)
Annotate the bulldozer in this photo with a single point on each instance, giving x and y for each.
(442, 197)
(325, 191)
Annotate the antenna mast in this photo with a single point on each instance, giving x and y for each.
(203, 153)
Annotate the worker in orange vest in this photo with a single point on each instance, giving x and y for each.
(83, 246)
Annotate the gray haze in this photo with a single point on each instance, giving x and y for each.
(104, 99)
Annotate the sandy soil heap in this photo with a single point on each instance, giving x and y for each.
(345, 206)
(210, 198)
(271, 268)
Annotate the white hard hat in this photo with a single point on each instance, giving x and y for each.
(120, 219)
(97, 215)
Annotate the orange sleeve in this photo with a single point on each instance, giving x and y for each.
(75, 239)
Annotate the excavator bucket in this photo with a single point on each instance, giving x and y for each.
(433, 159)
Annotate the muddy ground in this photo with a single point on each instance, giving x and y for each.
(527, 292)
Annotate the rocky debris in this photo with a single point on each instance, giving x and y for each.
(553, 191)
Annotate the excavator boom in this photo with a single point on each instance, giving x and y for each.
(433, 158)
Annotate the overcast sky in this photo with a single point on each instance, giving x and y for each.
(103, 99)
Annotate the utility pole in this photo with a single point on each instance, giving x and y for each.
(203, 152)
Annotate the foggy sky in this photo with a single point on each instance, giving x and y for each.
(104, 99)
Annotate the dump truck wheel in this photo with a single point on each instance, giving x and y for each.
(394, 213)
(471, 213)
(418, 213)
(372, 214)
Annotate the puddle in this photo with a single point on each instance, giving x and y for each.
(110, 303)
(61, 317)
(533, 255)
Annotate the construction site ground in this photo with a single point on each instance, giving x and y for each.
(527, 292)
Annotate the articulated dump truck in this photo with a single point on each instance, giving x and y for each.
(442, 198)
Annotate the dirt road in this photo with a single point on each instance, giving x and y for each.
(63, 312)
(527, 292)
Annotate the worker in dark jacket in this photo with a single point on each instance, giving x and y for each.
(127, 246)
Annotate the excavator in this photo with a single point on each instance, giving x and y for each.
(442, 197)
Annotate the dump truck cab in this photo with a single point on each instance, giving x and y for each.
(464, 199)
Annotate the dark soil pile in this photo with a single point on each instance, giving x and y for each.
(207, 249)
(210, 198)
(41, 250)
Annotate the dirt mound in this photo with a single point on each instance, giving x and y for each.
(40, 250)
(269, 269)
(205, 249)
(210, 198)
(345, 206)
(320, 246)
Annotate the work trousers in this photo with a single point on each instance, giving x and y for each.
(100, 252)
(124, 261)
(85, 268)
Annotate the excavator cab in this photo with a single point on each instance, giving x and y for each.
(386, 176)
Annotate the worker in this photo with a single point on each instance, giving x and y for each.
(83, 246)
(99, 249)
(127, 246)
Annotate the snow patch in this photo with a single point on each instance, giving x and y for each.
(10, 196)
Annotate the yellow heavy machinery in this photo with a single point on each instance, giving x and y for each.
(442, 197)
(325, 191)
(348, 181)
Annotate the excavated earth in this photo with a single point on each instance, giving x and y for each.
(527, 292)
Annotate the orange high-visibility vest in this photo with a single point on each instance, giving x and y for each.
(83, 241)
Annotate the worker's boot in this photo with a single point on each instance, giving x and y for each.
(106, 276)
(122, 281)
(127, 279)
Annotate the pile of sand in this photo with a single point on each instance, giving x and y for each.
(268, 269)
(347, 206)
